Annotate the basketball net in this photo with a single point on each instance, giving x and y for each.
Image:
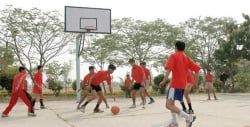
(82, 42)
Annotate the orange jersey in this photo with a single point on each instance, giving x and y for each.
(38, 77)
(179, 64)
(101, 76)
(147, 73)
(209, 77)
(128, 82)
(20, 77)
(137, 73)
(86, 78)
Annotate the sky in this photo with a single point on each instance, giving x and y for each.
(173, 11)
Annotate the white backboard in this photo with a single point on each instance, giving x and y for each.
(79, 19)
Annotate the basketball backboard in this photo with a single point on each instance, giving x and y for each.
(85, 19)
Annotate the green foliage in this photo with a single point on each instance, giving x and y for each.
(6, 57)
(157, 81)
(6, 78)
(55, 85)
(242, 82)
(73, 85)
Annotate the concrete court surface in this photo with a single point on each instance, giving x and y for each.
(231, 110)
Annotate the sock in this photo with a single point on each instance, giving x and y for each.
(184, 115)
(41, 102)
(174, 117)
(183, 105)
(33, 102)
(190, 106)
(97, 106)
(85, 103)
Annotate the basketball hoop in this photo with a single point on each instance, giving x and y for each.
(88, 30)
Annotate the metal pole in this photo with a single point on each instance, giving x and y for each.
(78, 39)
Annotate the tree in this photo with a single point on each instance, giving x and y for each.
(144, 41)
(7, 76)
(57, 74)
(203, 36)
(6, 58)
(34, 36)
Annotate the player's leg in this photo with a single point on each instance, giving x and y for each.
(87, 90)
(142, 94)
(147, 94)
(213, 90)
(135, 89)
(41, 101)
(26, 100)
(33, 102)
(208, 90)
(100, 98)
(12, 103)
(187, 97)
(94, 96)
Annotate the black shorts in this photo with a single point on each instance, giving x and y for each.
(96, 88)
(137, 86)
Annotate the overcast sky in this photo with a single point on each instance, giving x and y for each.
(173, 11)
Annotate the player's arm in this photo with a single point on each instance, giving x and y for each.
(19, 83)
(163, 82)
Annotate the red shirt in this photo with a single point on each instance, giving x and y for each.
(179, 64)
(19, 77)
(38, 77)
(137, 73)
(86, 78)
(147, 73)
(128, 82)
(190, 78)
(101, 76)
(209, 77)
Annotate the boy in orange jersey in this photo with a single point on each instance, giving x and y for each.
(95, 81)
(209, 84)
(147, 82)
(178, 63)
(85, 86)
(128, 86)
(38, 86)
(189, 86)
(139, 79)
(18, 91)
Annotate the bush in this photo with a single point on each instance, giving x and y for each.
(6, 78)
(157, 81)
(55, 86)
(242, 82)
(74, 85)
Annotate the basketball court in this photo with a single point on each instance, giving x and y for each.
(231, 110)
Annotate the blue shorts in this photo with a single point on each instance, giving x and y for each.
(175, 94)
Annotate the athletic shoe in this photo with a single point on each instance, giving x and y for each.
(31, 114)
(190, 111)
(151, 101)
(98, 111)
(190, 121)
(4, 115)
(42, 107)
(173, 124)
(132, 106)
(82, 108)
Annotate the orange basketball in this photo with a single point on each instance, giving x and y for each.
(115, 110)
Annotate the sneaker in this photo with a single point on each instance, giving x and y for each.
(151, 101)
(42, 107)
(82, 108)
(190, 111)
(190, 121)
(4, 115)
(209, 98)
(215, 98)
(173, 124)
(31, 114)
(98, 111)
(132, 106)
